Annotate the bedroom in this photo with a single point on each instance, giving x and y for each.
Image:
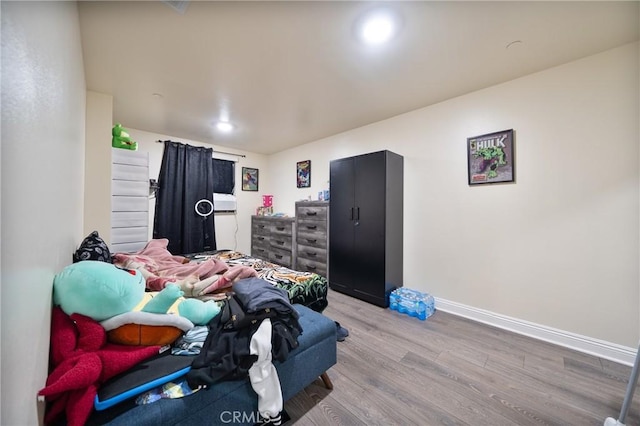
(571, 218)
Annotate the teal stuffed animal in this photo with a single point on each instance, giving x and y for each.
(102, 291)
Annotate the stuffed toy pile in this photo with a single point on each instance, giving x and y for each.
(117, 298)
(82, 360)
(104, 323)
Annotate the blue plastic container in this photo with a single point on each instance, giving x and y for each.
(412, 302)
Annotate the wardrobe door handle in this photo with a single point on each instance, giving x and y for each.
(357, 213)
(351, 213)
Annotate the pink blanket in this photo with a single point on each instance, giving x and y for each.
(160, 267)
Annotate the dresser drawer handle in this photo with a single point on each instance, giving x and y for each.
(311, 254)
(311, 241)
(261, 238)
(279, 242)
(280, 228)
(312, 226)
(311, 267)
(261, 226)
(312, 213)
(278, 256)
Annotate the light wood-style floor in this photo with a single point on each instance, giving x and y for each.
(397, 370)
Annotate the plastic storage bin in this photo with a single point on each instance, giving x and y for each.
(412, 302)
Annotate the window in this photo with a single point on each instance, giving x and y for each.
(224, 186)
(223, 176)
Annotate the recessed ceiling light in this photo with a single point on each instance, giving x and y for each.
(378, 26)
(224, 126)
(377, 30)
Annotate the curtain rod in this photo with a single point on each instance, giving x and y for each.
(217, 152)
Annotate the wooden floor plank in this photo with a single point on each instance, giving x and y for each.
(575, 392)
(316, 407)
(395, 369)
(515, 395)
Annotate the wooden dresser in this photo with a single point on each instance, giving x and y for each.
(272, 239)
(312, 225)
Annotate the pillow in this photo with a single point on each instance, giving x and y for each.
(93, 248)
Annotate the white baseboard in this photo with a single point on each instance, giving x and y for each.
(600, 348)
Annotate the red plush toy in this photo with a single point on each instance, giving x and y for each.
(81, 361)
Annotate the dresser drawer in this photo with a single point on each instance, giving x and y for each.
(307, 226)
(312, 239)
(311, 266)
(260, 241)
(317, 213)
(280, 256)
(283, 229)
(261, 252)
(312, 253)
(260, 227)
(281, 241)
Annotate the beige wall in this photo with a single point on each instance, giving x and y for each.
(233, 231)
(43, 131)
(97, 206)
(557, 248)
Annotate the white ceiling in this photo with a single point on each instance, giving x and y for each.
(287, 73)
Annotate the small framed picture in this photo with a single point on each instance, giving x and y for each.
(249, 179)
(490, 158)
(303, 174)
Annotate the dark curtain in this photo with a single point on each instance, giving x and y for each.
(223, 176)
(186, 177)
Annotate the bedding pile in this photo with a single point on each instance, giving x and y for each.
(305, 288)
(199, 275)
(196, 279)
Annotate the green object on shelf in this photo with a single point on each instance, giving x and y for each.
(121, 138)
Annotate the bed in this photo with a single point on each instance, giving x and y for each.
(202, 272)
(199, 274)
(304, 288)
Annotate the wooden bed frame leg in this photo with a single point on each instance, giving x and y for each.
(326, 380)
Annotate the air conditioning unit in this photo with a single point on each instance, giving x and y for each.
(224, 202)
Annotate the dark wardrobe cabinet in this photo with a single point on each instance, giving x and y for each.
(365, 236)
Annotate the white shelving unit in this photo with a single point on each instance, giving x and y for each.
(129, 200)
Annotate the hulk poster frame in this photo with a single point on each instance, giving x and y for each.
(491, 158)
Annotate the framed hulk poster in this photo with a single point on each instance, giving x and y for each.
(490, 158)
